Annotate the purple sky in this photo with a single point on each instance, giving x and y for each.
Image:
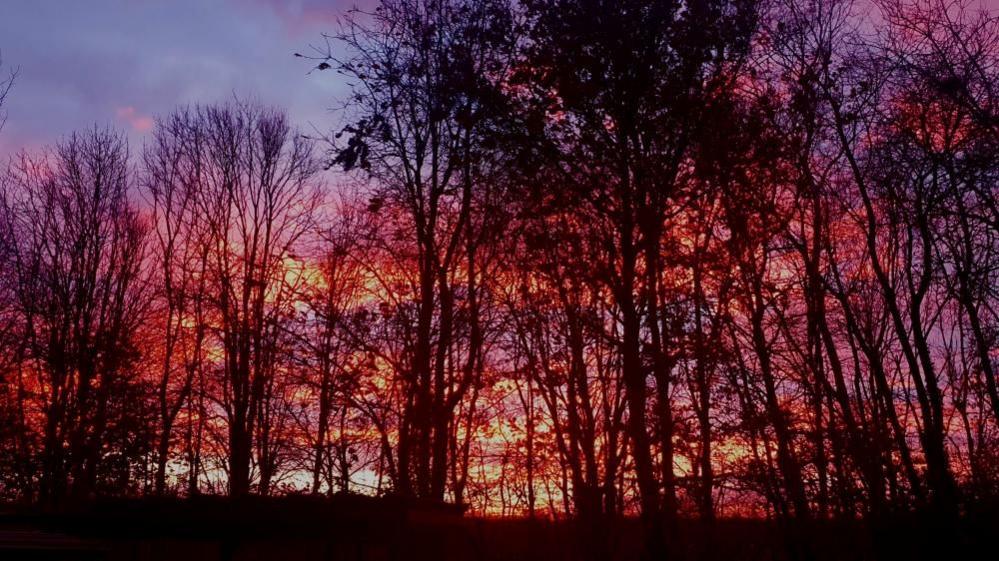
(123, 62)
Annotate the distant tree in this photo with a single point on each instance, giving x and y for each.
(233, 189)
(172, 180)
(257, 196)
(5, 86)
(76, 256)
(556, 313)
(326, 345)
(14, 447)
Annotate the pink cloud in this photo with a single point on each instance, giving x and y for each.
(303, 17)
(138, 121)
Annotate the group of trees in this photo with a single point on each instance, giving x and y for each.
(587, 259)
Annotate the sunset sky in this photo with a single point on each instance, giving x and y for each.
(616, 280)
(123, 62)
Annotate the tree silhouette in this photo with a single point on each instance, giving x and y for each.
(639, 266)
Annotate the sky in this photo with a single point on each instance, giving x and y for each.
(125, 62)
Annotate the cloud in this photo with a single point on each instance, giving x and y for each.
(304, 17)
(138, 121)
(125, 62)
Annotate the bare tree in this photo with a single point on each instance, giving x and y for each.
(77, 253)
(5, 86)
(620, 86)
(427, 87)
(236, 189)
(173, 174)
(332, 296)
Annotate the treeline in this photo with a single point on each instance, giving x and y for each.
(587, 259)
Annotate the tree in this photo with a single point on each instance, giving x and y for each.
(173, 179)
(235, 189)
(79, 291)
(426, 99)
(619, 87)
(5, 86)
(326, 345)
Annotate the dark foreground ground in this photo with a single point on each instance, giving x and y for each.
(352, 528)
